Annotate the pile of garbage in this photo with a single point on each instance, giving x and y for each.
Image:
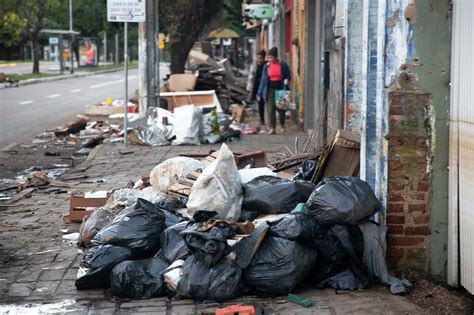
(186, 125)
(236, 232)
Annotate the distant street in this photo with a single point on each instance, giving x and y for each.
(28, 110)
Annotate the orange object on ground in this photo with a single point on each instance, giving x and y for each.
(236, 309)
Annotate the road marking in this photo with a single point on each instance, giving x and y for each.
(26, 102)
(76, 90)
(53, 95)
(111, 82)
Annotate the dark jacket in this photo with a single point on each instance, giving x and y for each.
(263, 88)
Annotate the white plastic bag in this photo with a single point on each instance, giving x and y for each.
(187, 124)
(167, 173)
(218, 188)
(248, 174)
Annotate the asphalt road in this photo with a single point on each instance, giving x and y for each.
(26, 111)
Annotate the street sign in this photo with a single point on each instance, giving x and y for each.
(126, 10)
(259, 11)
(53, 40)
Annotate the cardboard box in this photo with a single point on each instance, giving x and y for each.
(238, 114)
(77, 214)
(182, 82)
(80, 205)
(196, 98)
(102, 110)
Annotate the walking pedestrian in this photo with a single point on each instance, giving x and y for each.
(254, 83)
(275, 76)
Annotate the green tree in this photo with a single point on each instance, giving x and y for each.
(184, 21)
(31, 15)
(11, 28)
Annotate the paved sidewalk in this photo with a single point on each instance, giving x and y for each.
(38, 268)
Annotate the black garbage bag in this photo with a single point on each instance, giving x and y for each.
(139, 279)
(169, 205)
(346, 256)
(345, 280)
(279, 266)
(220, 282)
(208, 247)
(305, 171)
(271, 195)
(94, 270)
(248, 215)
(342, 200)
(172, 203)
(138, 230)
(173, 245)
(332, 257)
(295, 227)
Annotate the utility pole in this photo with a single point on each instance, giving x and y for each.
(157, 55)
(71, 45)
(117, 48)
(149, 66)
(125, 60)
(105, 46)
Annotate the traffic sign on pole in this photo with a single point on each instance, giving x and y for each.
(126, 11)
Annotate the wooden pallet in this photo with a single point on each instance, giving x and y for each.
(183, 187)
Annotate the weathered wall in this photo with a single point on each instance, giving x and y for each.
(432, 32)
(298, 49)
(418, 45)
(409, 178)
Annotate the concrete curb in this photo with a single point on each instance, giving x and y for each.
(64, 77)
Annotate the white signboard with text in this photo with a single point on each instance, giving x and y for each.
(126, 10)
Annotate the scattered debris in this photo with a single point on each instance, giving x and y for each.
(203, 234)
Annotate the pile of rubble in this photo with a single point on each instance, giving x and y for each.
(224, 226)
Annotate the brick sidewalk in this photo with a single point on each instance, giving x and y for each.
(38, 266)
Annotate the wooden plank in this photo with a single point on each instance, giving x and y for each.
(180, 189)
(193, 175)
(186, 183)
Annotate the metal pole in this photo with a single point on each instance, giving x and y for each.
(125, 56)
(60, 54)
(71, 45)
(157, 63)
(105, 46)
(116, 49)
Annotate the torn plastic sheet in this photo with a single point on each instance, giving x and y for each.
(154, 135)
(375, 249)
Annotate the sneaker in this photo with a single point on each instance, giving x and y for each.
(283, 129)
(271, 131)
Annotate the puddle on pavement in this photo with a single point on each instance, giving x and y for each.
(35, 308)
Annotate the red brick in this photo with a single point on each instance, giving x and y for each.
(396, 240)
(417, 207)
(395, 219)
(421, 219)
(395, 207)
(423, 186)
(420, 196)
(422, 230)
(417, 230)
(416, 253)
(395, 229)
(395, 174)
(394, 100)
(409, 230)
(395, 186)
(394, 197)
(394, 252)
(422, 165)
(394, 164)
(396, 110)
